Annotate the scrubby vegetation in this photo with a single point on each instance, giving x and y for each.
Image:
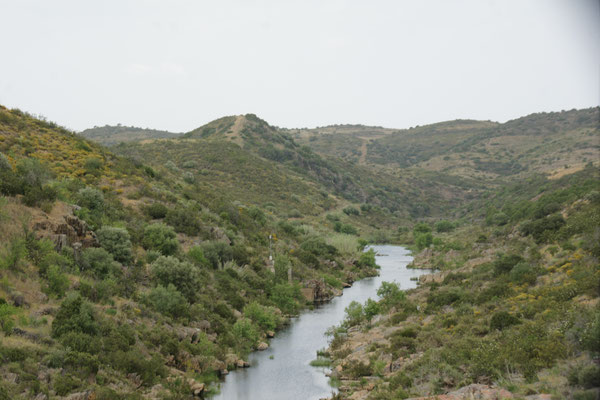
(129, 271)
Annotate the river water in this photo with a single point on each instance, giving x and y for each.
(288, 374)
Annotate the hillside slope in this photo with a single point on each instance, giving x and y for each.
(111, 135)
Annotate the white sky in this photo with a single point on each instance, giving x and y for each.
(176, 65)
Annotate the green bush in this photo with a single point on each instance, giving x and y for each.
(444, 226)
(285, 297)
(217, 253)
(421, 227)
(505, 263)
(99, 262)
(502, 319)
(58, 283)
(132, 363)
(184, 220)
(348, 229)
(351, 211)
(196, 255)
(523, 273)
(317, 246)
(6, 318)
(37, 195)
(391, 295)
(371, 309)
(74, 315)
(91, 198)
(262, 316)
(423, 240)
(354, 314)
(117, 242)
(183, 275)
(367, 259)
(168, 301)
(156, 210)
(245, 335)
(160, 237)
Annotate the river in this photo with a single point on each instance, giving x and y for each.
(283, 371)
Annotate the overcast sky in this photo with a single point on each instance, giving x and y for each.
(176, 65)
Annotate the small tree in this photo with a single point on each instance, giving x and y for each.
(117, 242)
(160, 237)
(354, 314)
(371, 309)
(183, 275)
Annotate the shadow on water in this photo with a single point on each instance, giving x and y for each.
(288, 375)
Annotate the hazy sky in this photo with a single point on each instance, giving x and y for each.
(178, 64)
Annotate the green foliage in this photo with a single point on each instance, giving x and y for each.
(183, 275)
(421, 227)
(4, 163)
(13, 254)
(523, 273)
(160, 237)
(168, 301)
(184, 220)
(354, 314)
(245, 335)
(502, 319)
(74, 315)
(351, 211)
(423, 240)
(504, 263)
(217, 253)
(371, 309)
(317, 246)
(367, 259)
(156, 210)
(391, 295)
(285, 297)
(262, 316)
(6, 317)
(117, 242)
(58, 283)
(91, 198)
(149, 370)
(444, 226)
(543, 230)
(99, 263)
(196, 255)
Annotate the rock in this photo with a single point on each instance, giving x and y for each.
(223, 372)
(204, 325)
(11, 378)
(242, 364)
(270, 334)
(18, 299)
(40, 396)
(262, 346)
(197, 389)
(346, 285)
(474, 391)
(236, 314)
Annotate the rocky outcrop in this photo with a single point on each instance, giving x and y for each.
(66, 230)
(318, 292)
(474, 391)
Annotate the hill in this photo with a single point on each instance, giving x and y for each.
(111, 135)
(137, 281)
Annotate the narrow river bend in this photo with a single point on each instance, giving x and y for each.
(288, 374)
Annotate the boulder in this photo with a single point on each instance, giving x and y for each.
(242, 364)
(270, 334)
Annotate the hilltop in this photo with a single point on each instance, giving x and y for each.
(111, 135)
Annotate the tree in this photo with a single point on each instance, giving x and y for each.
(354, 314)
(390, 294)
(117, 242)
(160, 237)
(371, 309)
(183, 275)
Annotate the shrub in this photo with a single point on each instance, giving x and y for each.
(348, 229)
(6, 318)
(423, 240)
(156, 210)
(168, 301)
(184, 220)
(183, 275)
(245, 335)
(502, 319)
(99, 262)
(4, 163)
(36, 195)
(421, 227)
(93, 165)
(544, 229)
(257, 215)
(131, 362)
(443, 297)
(91, 198)
(196, 255)
(262, 316)
(371, 309)
(351, 211)
(58, 283)
(160, 237)
(74, 315)
(367, 259)
(354, 314)
(318, 247)
(284, 296)
(444, 226)
(33, 172)
(117, 242)
(13, 254)
(523, 273)
(505, 263)
(217, 253)
(390, 294)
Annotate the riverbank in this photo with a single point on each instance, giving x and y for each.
(284, 370)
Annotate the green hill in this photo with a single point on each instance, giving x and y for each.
(111, 135)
